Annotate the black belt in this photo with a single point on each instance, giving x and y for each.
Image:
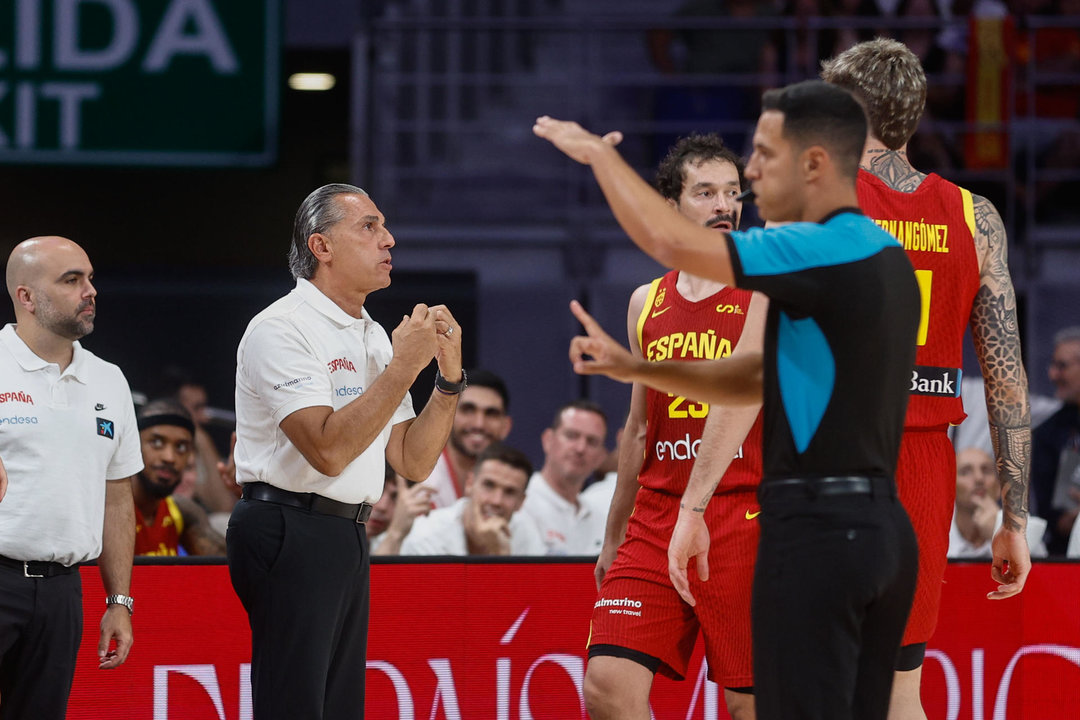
(306, 501)
(845, 485)
(38, 568)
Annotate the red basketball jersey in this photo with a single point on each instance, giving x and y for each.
(936, 226)
(163, 537)
(673, 328)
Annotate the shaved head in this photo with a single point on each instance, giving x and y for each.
(26, 263)
(48, 279)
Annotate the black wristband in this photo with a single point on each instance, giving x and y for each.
(450, 388)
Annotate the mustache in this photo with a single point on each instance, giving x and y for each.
(717, 219)
(746, 195)
(86, 304)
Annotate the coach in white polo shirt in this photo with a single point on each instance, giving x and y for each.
(70, 444)
(322, 404)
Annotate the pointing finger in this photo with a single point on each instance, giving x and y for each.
(587, 321)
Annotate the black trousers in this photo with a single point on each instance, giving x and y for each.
(833, 587)
(41, 622)
(303, 579)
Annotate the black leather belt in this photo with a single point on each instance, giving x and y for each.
(844, 485)
(38, 568)
(306, 501)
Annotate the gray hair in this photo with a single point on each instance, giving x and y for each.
(1069, 334)
(317, 214)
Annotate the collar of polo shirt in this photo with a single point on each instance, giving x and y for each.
(315, 297)
(30, 361)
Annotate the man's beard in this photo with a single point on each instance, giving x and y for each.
(155, 489)
(461, 447)
(69, 327)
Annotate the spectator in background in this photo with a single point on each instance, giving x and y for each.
(1055, 452)
(978, 514)
(486, 520)
(482, 418)
(573, 450)
(165, 522)
(182, 385)
(598, 493)
(393, 515)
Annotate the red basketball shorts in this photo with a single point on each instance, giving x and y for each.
(926, 480)
(639, 609)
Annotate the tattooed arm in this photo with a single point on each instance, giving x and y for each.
(997, 344)
(198, 538)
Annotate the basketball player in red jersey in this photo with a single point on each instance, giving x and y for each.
(165, 522)
(640, 625)
(957, 243)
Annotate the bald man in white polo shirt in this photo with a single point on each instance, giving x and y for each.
(322, 403)
(70, 445)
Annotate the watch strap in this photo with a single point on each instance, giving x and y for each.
(450, 388)
(125, 600)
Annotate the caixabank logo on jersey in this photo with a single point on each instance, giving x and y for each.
(935, 381)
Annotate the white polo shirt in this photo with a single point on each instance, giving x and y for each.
(305, 351)
(62, 435)
(442, 532)
(567, 529)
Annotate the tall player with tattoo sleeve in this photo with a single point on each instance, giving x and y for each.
(667, 441)
(957, 243)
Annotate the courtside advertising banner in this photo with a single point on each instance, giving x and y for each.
(506, 641)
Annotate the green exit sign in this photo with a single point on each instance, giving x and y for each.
(139, 82)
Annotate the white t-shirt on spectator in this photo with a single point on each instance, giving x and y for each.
(442, 532)
(566, 529)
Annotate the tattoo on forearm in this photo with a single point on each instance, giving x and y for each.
(1012, 446)
(892, 168)
(997, 340)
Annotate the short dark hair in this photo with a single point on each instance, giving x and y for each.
(694, 150)
(508, 456)
(817, 113)
(478, 377)
(582, 404)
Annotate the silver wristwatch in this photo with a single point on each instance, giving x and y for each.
(124, 600)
